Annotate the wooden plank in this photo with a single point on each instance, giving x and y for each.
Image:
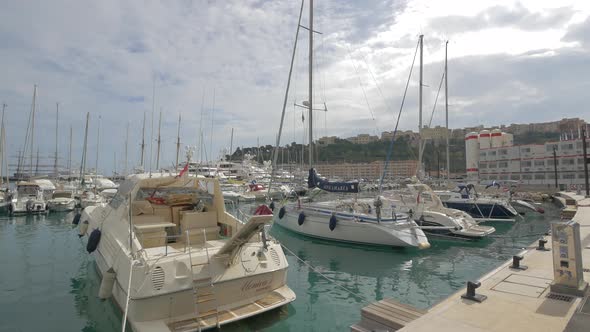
(395, 306)
(392, 316)
(382, 319)
(396, 312)
(408, 307)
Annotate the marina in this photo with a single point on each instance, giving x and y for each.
(256, 166)
(61, 282)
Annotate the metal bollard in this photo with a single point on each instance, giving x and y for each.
(541, 245)
(516, 263)
(470, 294)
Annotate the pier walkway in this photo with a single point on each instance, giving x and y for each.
(517, 300)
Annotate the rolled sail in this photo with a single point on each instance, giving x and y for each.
(314, 181)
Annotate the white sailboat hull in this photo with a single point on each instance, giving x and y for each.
(353, 230)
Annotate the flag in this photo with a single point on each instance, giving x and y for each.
(183, 170)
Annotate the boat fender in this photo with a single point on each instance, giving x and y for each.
(272, 205)
(333, 221)
(301, 219)
(83, 228)
(76, 219)
(282, 212)
(106, 285)
(93, 241)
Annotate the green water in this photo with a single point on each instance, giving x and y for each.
(48, 282)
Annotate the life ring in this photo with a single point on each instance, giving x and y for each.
(282, 212)
(333, 221)
(301, 219)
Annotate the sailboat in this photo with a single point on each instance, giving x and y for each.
(216, 270)
(422, 203)
(347, 220)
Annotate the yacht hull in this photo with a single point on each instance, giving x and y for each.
(351, 230)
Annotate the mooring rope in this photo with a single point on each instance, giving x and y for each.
(326, 277)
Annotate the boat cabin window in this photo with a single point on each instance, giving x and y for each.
(27, 190)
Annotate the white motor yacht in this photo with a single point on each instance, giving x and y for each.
(214, 270)
(61, 201)
(89, 198)
(28, 199)
(426, 208)
(480, 207)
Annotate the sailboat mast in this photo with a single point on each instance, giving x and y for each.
(420, 147)
(447, 111)
(142, 142)
(83, 163)
(97, 149)
(178, 141)
(56, 139)
(152, 127)
(33, 127)
(37, 163)
(126, 149)
(274, 161)
(310, 98)
(3, 154)
(70, 155)
(201, 128)
(159, 141)
(231, 144)
(211, 134)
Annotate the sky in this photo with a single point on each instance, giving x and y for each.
(224, 64)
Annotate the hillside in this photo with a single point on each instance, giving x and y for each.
(403, 149)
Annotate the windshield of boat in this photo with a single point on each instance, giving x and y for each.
(27, 190)
(174, 196)
(62, 194)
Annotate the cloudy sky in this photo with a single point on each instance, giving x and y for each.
(226, 62)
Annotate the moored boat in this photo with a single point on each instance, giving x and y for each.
(195, 278)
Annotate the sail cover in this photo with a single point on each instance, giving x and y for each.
(313, 181)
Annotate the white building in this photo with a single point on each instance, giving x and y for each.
(493, 156)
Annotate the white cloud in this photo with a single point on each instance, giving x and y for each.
(101, 57)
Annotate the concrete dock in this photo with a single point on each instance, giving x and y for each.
(517, 300)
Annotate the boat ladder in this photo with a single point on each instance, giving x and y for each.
(203, 288)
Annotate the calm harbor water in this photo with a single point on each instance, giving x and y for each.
(48, 282)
